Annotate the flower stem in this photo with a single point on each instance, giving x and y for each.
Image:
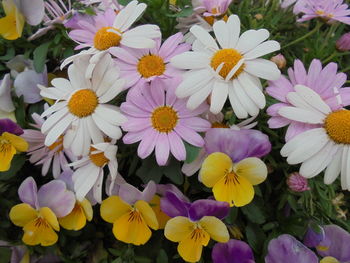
(317, 27)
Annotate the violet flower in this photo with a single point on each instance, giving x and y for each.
(234, 251)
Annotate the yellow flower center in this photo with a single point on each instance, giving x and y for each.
(104, 40)
(41, 222)
(99, 159)
(320, 12)
(134, 215)
(231, 178)
(164, 119)
(151, 65)
(83, 103)
(337, 125)
(198, 234)
(219, 125)
(229, 57)
(57, 146)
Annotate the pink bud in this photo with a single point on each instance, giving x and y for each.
(279, 60)
(343, 43)
(297, 183)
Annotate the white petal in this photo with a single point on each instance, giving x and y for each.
(252, 90)
(53, 119)
(234, 27)
(55, 107)
(193, 81)
(113, 91)
(262, 68)
(191, 60)
(263, 49)
(84, 178)
(244, 99)
(58, 129)
(345, 168)
(138, 42)
(301, 115)
(250, 39)
(128, 15)
(199, 96)
(218, 96)
(110, 114)
(203, 36)
(222, 33)
(110, 130)
(236, 105)
(333, 168)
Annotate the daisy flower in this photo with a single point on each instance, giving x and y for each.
(325, 81)
(161, 121)
(110, 29)
(325, 146)
(80, 112)
(230, 71)
(46, 156)
(328, 10)
(138, 66)
(298, 4)
(89, 171)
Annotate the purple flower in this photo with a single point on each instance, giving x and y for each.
(343, 43)
(6, 125)
(238, 144)
(335, 244)
(287, 249)
(314, 235)
(297, 183)
(234, 251)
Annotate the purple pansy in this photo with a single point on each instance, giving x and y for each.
(6, 125)
(234, 251)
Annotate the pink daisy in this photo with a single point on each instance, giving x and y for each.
(144, 65)
(109, 29)
(326, 82)
(161, 121)
(329, 10)
(43, 155)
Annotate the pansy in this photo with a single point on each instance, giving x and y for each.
(161, 121)
(6, 103)
(82, 210)
(239, 142)
(231, 70)
(193, 225)
(325, 81)
(234, 251)
(144, 65)
(81, 113)
(131, 217)
(330, 11)
(110, 29)
(89, 173)
(10, 143)
(326, 144)
(38, 213)
(11, 26)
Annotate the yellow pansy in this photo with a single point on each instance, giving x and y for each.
(232, 183)
(38, 226)
(76, 219)
(11, 26)
(10, 144)
(192, 236)
(131, 224)
(329, 260)
(161, 216)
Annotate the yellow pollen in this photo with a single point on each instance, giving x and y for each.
(58, 145)
(337, 125)
(151, 65)
(83, 103)
(230, 57)
(104, 40)
(164, 119)
(219, 125)
(211, 19)
(99, 159)
(320, 12)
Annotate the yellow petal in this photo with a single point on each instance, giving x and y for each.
(215, 228)
(234, 189)
(131, 228)
(190, 249)
(39, 231)
(18, 142)
(20, 20)
(75, 220)
(50, 217)
(161, 216)
(8, 28)
(22, 214)
(147, 213)
(178, 228)
(113, 207)
(329, 260)
(86, 205)
(7, 151)
(26, 257)
(253, 169)
(214, 167)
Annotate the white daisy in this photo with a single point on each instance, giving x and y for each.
(325, 147)
(89, 172)
(80, 111)
(230, 71)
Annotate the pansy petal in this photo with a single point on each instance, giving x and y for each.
(112, 208)
(215, 228)
(27, 192)
(22, 214)
(207, 207)
(252, 169)
(178, 228)
(147, 213)
(47, 214)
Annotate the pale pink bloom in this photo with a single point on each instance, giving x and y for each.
(297, 183)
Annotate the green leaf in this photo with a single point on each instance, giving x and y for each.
(254, 212)
(124, 2)
(162, 257)
(10, 54)
(16, 164)
(40, 54)
(187, 11)
(255, 237)
(173, 172)
(191, 152)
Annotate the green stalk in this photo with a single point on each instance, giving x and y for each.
(304, 36)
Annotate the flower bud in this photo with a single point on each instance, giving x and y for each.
(279, 60)
(343, 43)
(297, 183)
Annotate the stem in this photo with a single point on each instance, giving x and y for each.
(304, 36)
(329, 35)
(334, 55)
